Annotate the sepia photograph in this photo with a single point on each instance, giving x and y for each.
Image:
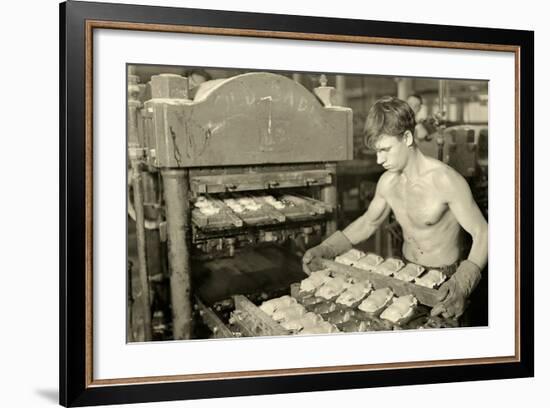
(276, 203)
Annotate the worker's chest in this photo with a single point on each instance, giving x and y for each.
(417, 205)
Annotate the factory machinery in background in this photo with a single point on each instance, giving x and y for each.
(197, 166)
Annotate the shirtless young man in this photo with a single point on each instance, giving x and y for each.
(431, 202)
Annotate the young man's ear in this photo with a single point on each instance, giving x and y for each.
(408, 138)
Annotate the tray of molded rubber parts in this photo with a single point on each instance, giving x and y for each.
(352, 304)
(336, 300)
(402, 278)
(278, 316)
(363, 292)
(296, 318)
(236, 210)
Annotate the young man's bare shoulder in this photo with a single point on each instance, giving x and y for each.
(433, 165)
(445, 178)
(387, 181)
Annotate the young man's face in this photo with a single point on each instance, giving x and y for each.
(392, 152)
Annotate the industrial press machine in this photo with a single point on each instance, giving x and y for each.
(249, 162)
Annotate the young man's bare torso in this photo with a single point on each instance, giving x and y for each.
(431, 233)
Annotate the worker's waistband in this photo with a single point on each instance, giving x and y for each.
(447, 270)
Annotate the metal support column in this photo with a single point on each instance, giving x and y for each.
(442, 113)
(329, 195)
(340, 97)
(176, 196)
(135, 174)
(141, 248)
(404, 88)
(129, 305)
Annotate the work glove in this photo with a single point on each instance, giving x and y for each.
(454, 293)
(330, 248)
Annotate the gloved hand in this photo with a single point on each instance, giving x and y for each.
(454, 293)
(331, 247)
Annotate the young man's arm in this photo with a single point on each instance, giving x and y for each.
(464, 208)
(359, 230)
(367, 224)
(453, 293)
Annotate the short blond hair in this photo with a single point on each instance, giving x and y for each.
(389, 116)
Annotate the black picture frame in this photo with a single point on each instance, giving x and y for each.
(77, 388)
